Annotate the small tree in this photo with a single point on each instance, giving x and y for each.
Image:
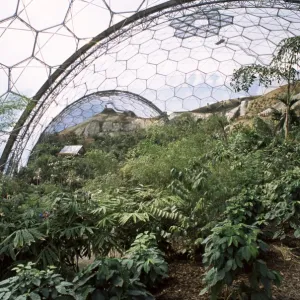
(284, 67)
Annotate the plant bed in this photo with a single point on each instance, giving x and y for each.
(185, 278)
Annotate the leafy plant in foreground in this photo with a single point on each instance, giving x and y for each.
(109, 279)
(30, 283)
(283, 210)
(148, 261)
(232, 250)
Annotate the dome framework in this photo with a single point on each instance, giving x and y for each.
(178, 55)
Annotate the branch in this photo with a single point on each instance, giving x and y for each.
(244, 77)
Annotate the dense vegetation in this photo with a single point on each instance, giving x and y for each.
(187, 187)
(200, 189)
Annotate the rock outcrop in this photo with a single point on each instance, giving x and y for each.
(110, 122)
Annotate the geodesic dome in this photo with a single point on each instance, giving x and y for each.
(178, 55)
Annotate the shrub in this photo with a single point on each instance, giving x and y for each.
(108, 279)
(30, 283)
(232, 250)
(148, 261)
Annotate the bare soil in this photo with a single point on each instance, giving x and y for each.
(185, 278)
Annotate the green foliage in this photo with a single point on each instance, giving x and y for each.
(168, 147)
(10, 108)
(30, 283)
(59, 235)
(233, 249)
(184, 187)
(284, 66)
(110, 278)
(283, 205)
(148, 261)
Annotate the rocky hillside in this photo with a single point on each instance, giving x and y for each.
(111, 122)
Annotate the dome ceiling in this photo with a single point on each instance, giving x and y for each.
(177, 56)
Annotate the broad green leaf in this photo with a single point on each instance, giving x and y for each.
(34, 296)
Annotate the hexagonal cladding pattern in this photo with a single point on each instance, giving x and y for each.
(178, 56)
(95, 103)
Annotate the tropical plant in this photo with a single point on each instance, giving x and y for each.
(148, 261)
(110, 278)
(283, 67)
(283, 204)
(232, 250)
(31, 283)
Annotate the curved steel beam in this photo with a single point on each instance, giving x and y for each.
(106, 33)
(28, 117)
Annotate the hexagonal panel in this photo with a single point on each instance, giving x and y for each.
(137, 62)
(227, 67)
(47, 50)
(76, 112)
(252, 33)
(128, 52)
(138, 86)
(156, 82)
(171, 43)
(41, 14)
(149, 95)
(288, 15)
(179, 54)
(243, 58)
(221, 93)
(166, 67)
(208, 65)
(146, 71)
(184, 91)
(174, 104)
(80, 12)
(175, 78)
(187, 65)
(223, 53)
(150, 46)
(263, 47)
(274, 23)
(157, 56)
(247, 20)
(142, 37)
(215, 79)
(108, 84)
(191, 103)
(96, 81)
(34, 69)
(116, 69)
(16, 36)
(10, 9)
(104, 62)
(164, 33)
(202, 91)
(166, 92)
(121, 6)
(195, 78)
(126, 78)
(201, 53)
(231, 31)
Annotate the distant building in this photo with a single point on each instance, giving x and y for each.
(72, 150)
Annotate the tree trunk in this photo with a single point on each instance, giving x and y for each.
(287, 122)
